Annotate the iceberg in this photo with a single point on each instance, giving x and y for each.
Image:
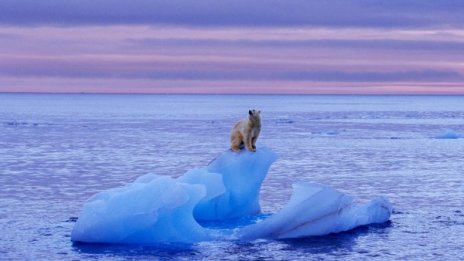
(449, 134)
(157, 209)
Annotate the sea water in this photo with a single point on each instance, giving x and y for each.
(57, 150)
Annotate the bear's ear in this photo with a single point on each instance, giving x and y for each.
(250, 112)
(259, 112)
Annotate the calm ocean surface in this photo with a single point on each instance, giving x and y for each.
(58, 150)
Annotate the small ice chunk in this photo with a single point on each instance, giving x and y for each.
(449, 134)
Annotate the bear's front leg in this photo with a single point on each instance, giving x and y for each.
(249, 144)
(253, 143)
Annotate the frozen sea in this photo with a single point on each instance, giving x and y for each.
(57, 150)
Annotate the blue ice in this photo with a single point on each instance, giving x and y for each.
(153, 209)
(160, 209)
(449, 134)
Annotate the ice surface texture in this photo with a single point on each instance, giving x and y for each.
(159, 209)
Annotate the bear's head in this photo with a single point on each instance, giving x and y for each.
(255, 116)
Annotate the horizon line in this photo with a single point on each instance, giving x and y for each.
(233, 93)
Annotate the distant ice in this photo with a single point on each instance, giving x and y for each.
(326, 133)
(284, 121)
(159, 209)
(449, 134)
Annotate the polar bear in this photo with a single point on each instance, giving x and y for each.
(246, 132)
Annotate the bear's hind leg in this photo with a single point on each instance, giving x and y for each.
(235, 143)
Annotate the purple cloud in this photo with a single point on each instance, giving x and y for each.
(212, 13)
(199, 70)
(299, 46)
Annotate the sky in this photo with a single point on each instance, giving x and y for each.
(253, 46)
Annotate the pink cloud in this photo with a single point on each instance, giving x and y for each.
(87, 59)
